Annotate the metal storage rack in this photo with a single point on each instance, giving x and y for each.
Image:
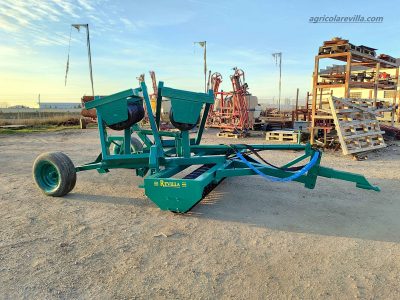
(352, 57)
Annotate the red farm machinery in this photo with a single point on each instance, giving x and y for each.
(232, 110)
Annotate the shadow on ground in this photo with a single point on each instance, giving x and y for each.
(333, 208)
(345, 212)
(105, 199)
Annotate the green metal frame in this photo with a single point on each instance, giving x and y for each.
(167, 155)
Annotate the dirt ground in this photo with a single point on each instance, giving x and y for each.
(248, 239)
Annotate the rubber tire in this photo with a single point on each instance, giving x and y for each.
(135, 115)
(181, 126)
(66, 173)
(82, 123)
(136, 144)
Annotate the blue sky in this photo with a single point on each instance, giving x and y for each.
(132, 37)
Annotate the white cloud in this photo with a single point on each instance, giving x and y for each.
(48, 41)
(152, 21)
(24, 13)
(18, 11)
(36, 36)
(31, 22)
(7, 26)
(67, 7)
(86, 4)
(126, 22)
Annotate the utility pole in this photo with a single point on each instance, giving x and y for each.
(78, 26)
(204, 46)
(297, 104)
(208, 81)
(278, 60)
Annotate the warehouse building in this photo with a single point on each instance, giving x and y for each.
(59, 105)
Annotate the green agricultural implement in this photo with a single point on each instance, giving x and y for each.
(178, 171)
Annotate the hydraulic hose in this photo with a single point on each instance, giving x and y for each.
(294, 176)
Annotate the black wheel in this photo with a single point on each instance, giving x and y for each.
(117, 146)
(135, 115)
(54, 173)
(181, 126)
(82, 123)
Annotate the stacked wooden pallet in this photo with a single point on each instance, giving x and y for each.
(337, 45)
(232, 135)
(282, 136)
(356, 125)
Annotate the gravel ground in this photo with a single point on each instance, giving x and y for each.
(248, 239)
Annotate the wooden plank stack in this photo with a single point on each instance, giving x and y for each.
(356, 125)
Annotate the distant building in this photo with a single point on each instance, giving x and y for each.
(18, 106)
(59, 105)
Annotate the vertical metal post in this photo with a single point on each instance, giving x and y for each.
(276, 56)
(395, 98)
(90, 57)
(314, 100)
(376, 82)
(78, 26)
(205, 66)
(204, 45)
(297, 104)
(208, 81)
(347, 79)
(280, 80)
